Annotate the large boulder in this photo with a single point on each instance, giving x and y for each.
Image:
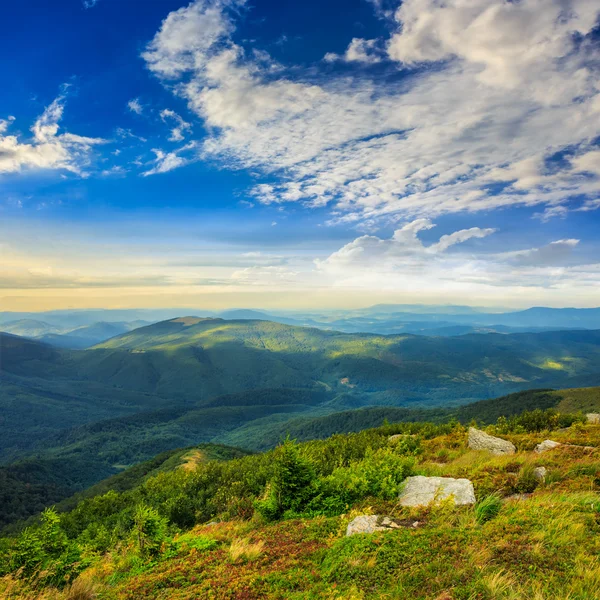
(372, 523)
(593, 418)
(422, 491)
(480, 440)
(547, 445)
(540, 473)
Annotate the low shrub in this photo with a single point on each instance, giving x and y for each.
(488, 508)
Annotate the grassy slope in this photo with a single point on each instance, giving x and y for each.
(544, 547)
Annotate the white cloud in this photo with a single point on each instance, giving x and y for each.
(89, 3)
(513, 44)
(188, 35)
(514, 83)
(5, 124)
(47, 149)
(370, 251)
(169, 161)
(405, 264)
(181, 126)
(359, 50)
(135, 106)
(590, 162)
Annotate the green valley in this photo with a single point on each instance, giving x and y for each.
(69, 418)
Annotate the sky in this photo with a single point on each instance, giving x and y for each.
(316, 154)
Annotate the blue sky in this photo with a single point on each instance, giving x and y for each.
(283, 154)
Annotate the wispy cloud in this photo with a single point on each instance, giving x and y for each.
(168, 161)
(135, 106)
(486, 95)
(181, 127)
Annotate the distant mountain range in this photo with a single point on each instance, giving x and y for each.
(85, 328)
(78, 338)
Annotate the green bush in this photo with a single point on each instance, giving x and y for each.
(46, 552)
(379, 475)
(535, 421)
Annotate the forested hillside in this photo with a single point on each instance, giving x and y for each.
(79, 458)
(73, 417)
(277, 525)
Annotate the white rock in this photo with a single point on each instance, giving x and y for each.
(547, 445)
(372, 523)
(422, 491)
(480, 440)
(540, 473)
(593, 418)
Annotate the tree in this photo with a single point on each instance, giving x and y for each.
(289, 488)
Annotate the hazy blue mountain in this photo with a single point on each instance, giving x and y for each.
(89, 335)
(383, 319)
(28, 328)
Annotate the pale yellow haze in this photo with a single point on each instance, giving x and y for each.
(215, 299)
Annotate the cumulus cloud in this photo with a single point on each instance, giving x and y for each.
(404, 263)
(505, 87)
(385, 254)
(47, 149)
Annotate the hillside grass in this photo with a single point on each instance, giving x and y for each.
(579, 399)
(523, 538)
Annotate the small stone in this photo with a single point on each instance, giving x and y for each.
(422, 491)
(593, 418)
(540, 473)
(547, 445)
(480, 440)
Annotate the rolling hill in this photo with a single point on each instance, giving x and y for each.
(191, 361)
(87, 414)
